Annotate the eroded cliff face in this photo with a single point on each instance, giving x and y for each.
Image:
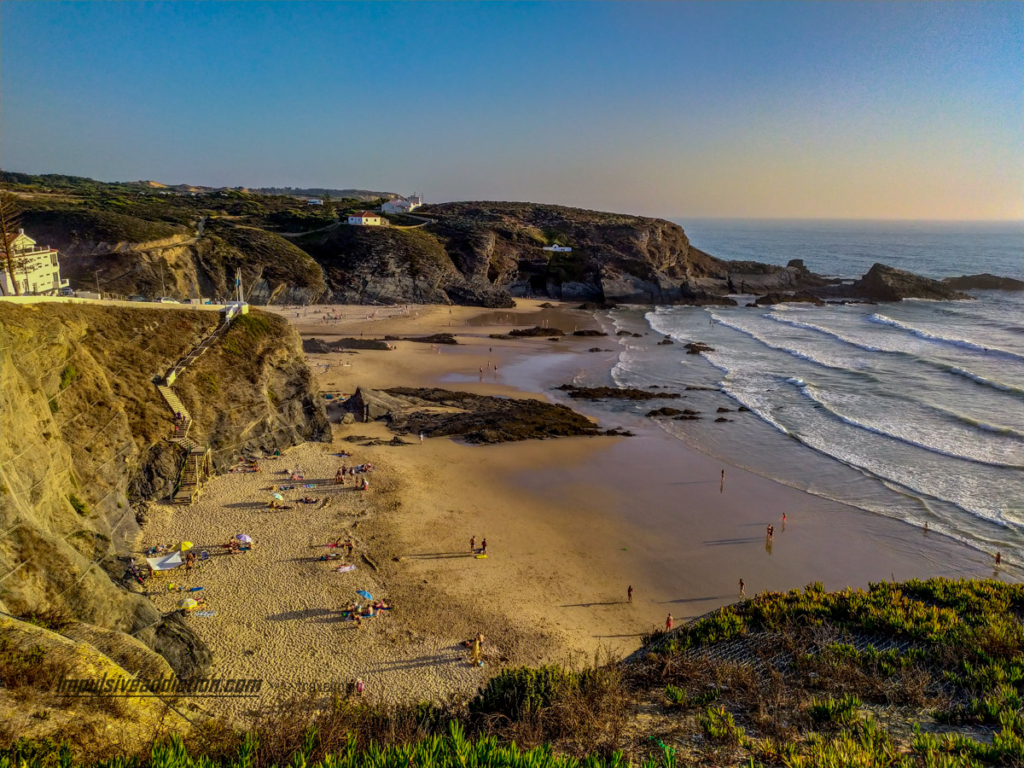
(83, 446)
(131, 256)
(614, 257)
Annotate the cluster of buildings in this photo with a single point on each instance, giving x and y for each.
(373, 219)
(36, 270)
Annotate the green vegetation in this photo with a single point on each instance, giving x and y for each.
(247, 333)
(67, 376)
(67, 223)
(926, 674)
(79, 506)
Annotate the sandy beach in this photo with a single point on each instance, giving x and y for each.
(570, 524)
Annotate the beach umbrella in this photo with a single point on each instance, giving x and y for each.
(186, 546)
(245, 538)
(279, 497)
(188, 603)
(364, 593)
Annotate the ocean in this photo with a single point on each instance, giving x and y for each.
(913, 410)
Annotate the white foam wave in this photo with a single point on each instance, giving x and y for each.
(957, 342)
(978, 379)
(801, 354)
(815, 395)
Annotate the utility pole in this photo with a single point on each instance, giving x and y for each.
(163, 288)
(97, 276)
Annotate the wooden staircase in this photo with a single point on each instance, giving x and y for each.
(198, 466)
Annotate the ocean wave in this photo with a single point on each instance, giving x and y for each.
(975, 377)
(979, 379)
(813, 394)
(952, 340)
(834, 335)
(801, 354)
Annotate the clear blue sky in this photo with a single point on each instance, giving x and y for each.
(833, 110)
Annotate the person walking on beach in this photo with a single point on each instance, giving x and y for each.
(721, 485)
(629, 594)
(483, 547)
(743, 589)
(472, 543)
(421, 438)
(668, 623)
(999, 557)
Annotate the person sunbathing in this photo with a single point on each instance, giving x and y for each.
(309, 500)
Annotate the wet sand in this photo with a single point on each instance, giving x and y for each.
(570, 524)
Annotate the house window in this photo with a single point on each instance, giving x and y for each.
(53, 259)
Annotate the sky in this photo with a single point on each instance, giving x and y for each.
(707, 109)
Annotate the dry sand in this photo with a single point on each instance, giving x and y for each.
(570, 523)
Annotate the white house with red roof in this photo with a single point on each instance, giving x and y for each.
(365, 219)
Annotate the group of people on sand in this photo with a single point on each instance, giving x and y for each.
(358, 611)
(473, 548)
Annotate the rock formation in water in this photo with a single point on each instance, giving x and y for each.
(984, 282)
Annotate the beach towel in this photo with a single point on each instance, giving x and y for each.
(165, 563)
(345, 568)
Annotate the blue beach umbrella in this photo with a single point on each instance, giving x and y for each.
(364, 593)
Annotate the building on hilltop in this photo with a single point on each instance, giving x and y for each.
(314, 201)
(365, 219)
(557, 248)
(36, 270)
(402, 204)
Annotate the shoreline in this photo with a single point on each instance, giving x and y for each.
(570, 522)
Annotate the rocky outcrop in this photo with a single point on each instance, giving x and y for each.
(475, 418)
(83, 446)
(613, 393)
(984, 282)
(883, 283)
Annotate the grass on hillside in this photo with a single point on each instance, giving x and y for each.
(926, 673)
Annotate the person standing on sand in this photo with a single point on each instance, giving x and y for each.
(629, 594)
(743, 589)
(668, 623)
(721, 485)
(483, 547)
(472, 543)
(999, 557)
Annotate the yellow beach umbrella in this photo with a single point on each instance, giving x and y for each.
(188, 603)
(186, 546)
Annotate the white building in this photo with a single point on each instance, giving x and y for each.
(36, 269)
(402, 205)
(314, 201)
(365, 219)
(558, 248)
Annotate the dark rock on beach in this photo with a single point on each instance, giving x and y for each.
(319, 346)
(476, 418)
(722, 418)
(663, 411)
(666, 342)
(526, 333)
(743, 409)
(610, 393)
(589, 332)
(696, 347)
(623, 333)
(723, 410)
(437, 338)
